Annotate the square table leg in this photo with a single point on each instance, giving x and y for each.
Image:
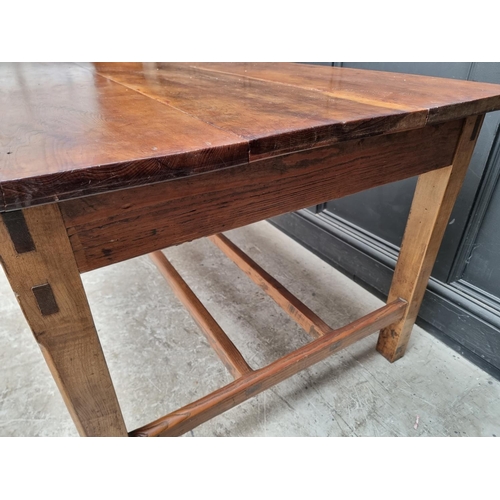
(433, 201)
(39, 263)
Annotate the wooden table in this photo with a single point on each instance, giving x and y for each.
(101, 163)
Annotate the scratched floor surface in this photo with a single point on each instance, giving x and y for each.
(159, 361)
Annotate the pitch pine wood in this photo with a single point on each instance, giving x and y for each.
(441, 98)
(151, 155)
(217, 338)
(65, 330)
(73, 130)
(250, 385)
(272, 116)
(433, 202)
(296, 309)
(68, 132)
(103, 229)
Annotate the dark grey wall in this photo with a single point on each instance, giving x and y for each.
(361, 234)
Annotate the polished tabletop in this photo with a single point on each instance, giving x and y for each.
(69, 130)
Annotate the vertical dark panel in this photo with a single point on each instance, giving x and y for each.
(383, 211)
(485, 72)
(478, 263)
(482, 262)
(360, 235)
(483, 268)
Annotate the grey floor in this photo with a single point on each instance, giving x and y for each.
(159, 361)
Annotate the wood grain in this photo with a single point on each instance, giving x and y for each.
(63, 325)
(217, 338)
(194, 414)
(131, 158)
(271, 116)
(433, 202)
(15, 224)
(75, 130)
(104, 229)
(442, 98)
(68, 132)
(296, 309)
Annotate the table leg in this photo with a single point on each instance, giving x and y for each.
(433, 201)
(38, 261)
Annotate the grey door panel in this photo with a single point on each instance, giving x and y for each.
(463, 308)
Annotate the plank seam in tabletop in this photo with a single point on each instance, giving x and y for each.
(239, 155)
(355, 103)
(397, 118)
(107, 77)
(339, 95)
(435, 113)
(201, 118)
(272, 82)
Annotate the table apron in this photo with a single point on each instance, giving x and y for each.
(108, 228)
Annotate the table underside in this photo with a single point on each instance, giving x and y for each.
(45, 248)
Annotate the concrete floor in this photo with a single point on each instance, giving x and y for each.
(159, 361)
